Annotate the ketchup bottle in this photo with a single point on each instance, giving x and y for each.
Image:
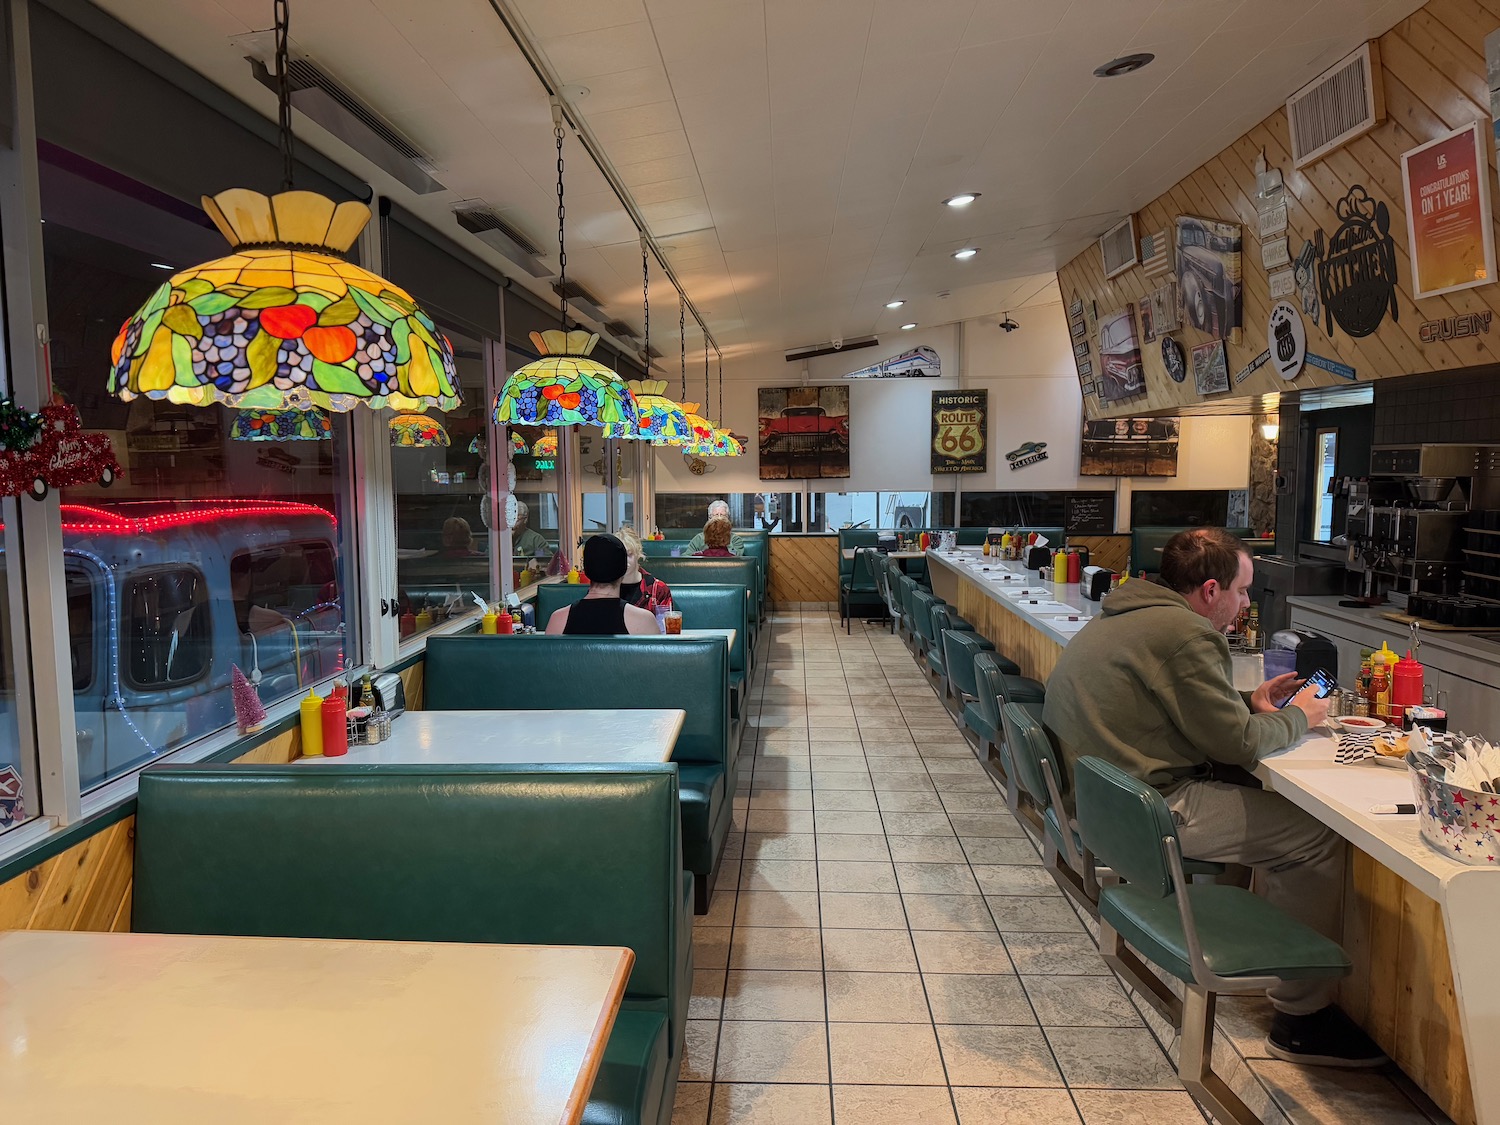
(335, 725)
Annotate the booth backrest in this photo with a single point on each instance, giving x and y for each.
(755, 548)
(1146, 544)
(552, 596)
(561, 855)
(715, 607)
(696, 571)
(478, 673)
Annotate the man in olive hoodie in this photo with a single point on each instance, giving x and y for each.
(1149, 687)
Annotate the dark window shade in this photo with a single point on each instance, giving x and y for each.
(525, 314)
(444, 279)
(112, 97)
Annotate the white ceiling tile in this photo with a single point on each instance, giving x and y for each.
(581, 55)
(637, 121)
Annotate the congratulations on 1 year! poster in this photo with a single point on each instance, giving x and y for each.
(1448, 212)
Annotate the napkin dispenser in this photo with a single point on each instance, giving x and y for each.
(1038, 557)
(1096, 582)
(1313, 651)
(885, 542)
(390, 692)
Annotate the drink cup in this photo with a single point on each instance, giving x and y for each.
(1278, 662)
(673, 622)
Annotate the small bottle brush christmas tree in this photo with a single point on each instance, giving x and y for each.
(249, 712)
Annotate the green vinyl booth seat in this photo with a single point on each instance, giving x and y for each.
(1146, 544)
(744, 572)
(702, 607)
(518, 673)
(555, 855)
(755, 548)
(1124, 823)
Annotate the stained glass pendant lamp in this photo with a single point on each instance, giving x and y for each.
(281, 425)
(283, 321)
(546, 445)
(414, 430)
(564, 387)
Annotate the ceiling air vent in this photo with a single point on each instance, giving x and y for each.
(580, 297)
(323, 100)
(1117, 247)
(621, 330)
(1344, 102)
(484, 222)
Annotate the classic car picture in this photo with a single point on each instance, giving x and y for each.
(1208, 274)
(804, 432)
(1129, 447)
(1120, 356)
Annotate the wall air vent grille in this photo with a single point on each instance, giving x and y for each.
(1344, 102)
(1118, 248)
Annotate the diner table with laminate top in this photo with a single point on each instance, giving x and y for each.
(521, 738)
(168, 1029)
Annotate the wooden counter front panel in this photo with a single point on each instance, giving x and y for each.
(804, 569)
(86, 887)
(1012, 636)
(1401, 989)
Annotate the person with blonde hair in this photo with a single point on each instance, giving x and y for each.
(716, 538)
(639, 588)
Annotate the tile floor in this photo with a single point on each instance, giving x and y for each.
(884, 947)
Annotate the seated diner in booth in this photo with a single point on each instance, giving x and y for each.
(716, 537)
(718, 510)
(601, 613)
(639, 587)
(526, 542)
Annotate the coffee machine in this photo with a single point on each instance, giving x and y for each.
(1405, 524)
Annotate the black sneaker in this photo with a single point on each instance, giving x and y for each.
(1327, 1037)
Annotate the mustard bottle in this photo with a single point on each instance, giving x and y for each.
(310, 715)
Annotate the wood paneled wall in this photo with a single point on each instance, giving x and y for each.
(1401, 990)
(804, 568)
(1110, 551)
(1434, 77)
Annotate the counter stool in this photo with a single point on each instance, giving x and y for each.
(943, 619)
(921, 603)
(906, 586)
(892, 593)
(995, 690)
(1212, 938)
(959, 650)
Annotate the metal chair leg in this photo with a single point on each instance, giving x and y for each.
(1136, 974)
(1195, 1064)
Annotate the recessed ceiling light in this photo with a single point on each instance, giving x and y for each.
(908, 326)
(966, 253)
(1125, 64)
(162, 266)
(962, 199)
(894, 304)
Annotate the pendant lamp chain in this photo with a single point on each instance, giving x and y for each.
(707, 391)
(720, 356)
(562, 214)
(646, 300)
(682, 337)
(283, 93)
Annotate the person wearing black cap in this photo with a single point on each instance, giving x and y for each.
(601, 612)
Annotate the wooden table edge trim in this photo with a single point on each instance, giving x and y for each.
(676, 732)
(594, 1057)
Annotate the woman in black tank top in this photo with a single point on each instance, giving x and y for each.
(601, 613)
(596, 617)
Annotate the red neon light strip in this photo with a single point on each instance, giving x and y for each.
(101, 521)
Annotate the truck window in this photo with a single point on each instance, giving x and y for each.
(287, 579)
(168, 636)
(80, 627)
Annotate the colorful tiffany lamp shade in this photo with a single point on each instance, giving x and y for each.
(700, 440)
(546, 445)
(565, 387)
(281, 425)
(726, 444)
(418, 431)
(283, 322)
(660, 420)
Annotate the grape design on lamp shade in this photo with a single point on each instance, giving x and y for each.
(565, 387)
(283, 322)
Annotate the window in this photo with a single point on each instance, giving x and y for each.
(168, 634)
(19, 793)
(1015, 509)
(835, 510)
(209, 552)
(1151, 507)
(1325, 462)
(534, 453)
(442, 506)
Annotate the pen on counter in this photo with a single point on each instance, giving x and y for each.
(1395, 810)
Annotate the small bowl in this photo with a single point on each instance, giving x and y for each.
(1361, 724)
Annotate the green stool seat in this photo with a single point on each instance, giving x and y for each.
(1242, 935)
(943, 617)
(982, 727)
(935, 660)
(959, 651)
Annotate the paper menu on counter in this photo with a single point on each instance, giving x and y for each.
(1064, 625)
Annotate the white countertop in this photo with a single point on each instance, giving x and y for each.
(165, 1029)
(521, 738)
(686, 634)
(1045, 605)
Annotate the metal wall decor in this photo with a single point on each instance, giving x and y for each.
(1286, 340)
(1357, 267)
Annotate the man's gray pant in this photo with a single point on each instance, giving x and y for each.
(1298, 862)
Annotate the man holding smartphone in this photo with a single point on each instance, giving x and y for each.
(1149, 687)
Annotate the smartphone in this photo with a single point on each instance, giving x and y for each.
(1320, 682)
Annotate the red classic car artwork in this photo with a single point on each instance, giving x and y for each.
(804, 429)
(63, 456)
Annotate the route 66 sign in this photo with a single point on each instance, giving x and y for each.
(1286, 339)
(959, 424)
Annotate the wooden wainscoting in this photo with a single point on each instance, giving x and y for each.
(1401, 989)
(86, 887)
(1035, 652)
(1109, 551)
(804, 569)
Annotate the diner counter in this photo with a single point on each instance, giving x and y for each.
(1418, 925)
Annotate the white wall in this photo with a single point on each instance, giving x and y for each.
(1033, 397)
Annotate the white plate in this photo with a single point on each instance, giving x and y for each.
(1361, 725)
